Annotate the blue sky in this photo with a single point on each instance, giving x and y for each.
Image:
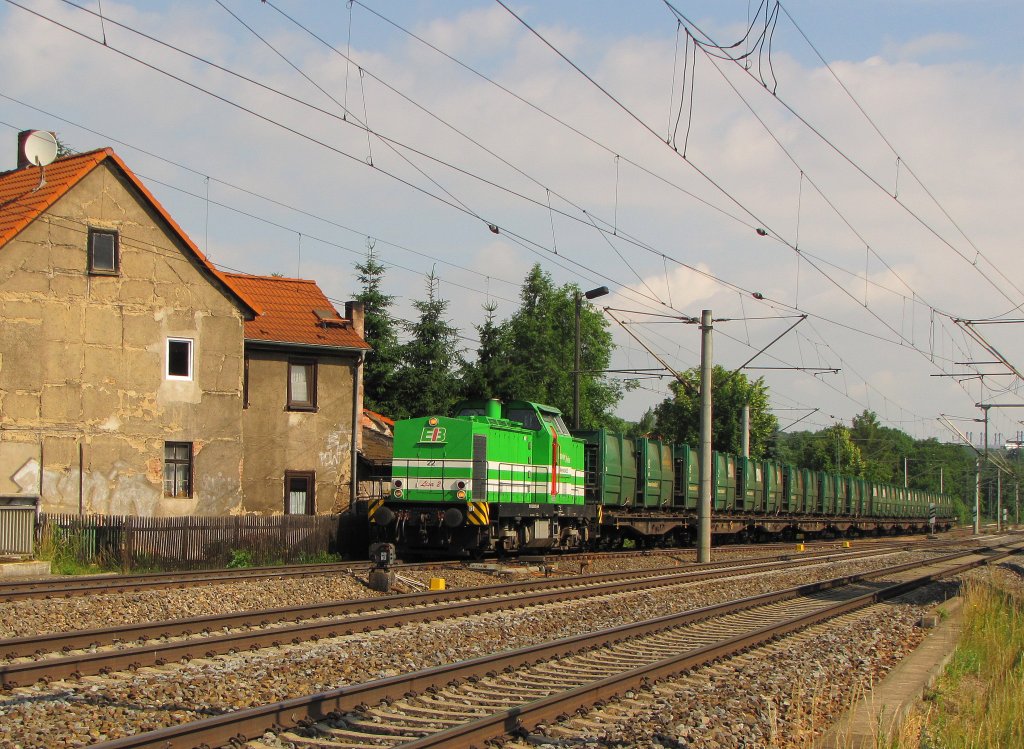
(299, 187)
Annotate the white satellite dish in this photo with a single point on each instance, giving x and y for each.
(40, 148)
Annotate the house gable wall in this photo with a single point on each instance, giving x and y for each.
(85, 408)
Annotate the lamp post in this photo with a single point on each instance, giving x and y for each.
(592, 294)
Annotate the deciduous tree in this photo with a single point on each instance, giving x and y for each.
(678, 418)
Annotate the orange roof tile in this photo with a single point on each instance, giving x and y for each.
(379, 422)
(379, 417)
(23, 200)
(288, 313)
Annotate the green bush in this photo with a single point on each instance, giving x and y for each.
(240, 558)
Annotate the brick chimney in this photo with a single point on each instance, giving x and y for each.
(354, 312)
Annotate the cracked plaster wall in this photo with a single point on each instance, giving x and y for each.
(85, 408)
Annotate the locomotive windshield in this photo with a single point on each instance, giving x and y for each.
(525, 416)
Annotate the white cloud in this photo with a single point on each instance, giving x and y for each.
(926, 46)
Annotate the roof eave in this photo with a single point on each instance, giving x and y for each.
(262, 343)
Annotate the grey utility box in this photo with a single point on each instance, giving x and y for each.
(18, 523)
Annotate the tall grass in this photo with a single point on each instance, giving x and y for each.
(66, 551)
(978, 703)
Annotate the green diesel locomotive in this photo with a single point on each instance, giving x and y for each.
(493, 477)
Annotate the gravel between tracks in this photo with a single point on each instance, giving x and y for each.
(43, 616)
(99, 708)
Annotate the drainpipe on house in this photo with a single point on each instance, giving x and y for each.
(357, 423)
(81, 478)
(354, 311)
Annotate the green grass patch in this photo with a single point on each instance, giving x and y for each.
(978, 703)
(65, 550)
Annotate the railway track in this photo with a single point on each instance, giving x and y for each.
(102, 584)
(468, 702)
(129, 647)
(99, 584)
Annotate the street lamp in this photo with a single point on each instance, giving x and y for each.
(592, 294)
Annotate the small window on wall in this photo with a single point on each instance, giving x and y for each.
(179, 359)
(177, 469)
(299, 489)
(301, 385)
(104, 252)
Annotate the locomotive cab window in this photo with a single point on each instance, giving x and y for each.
(525, 416)
(556, 421)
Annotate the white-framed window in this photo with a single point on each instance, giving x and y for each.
(179, 359)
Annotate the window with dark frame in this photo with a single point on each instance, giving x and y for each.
(104, 252)
(299, 493)
(179, 359)
(301, 385)
(177, 469)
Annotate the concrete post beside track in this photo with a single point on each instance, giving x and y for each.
(704, 514)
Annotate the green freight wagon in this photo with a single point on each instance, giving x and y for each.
(750, 491)
(774, 487)
(723, 481)
(687, 469)
(655, 473)
(610, 462)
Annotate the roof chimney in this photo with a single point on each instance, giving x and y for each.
(354, 312)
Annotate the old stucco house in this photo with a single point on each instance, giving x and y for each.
(135, 378)
(301, 396)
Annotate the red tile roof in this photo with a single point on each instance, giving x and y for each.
(288, 313)
(21, 202)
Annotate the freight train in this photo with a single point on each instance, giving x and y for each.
(507, 477)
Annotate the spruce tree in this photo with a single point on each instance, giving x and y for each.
(382, 361)
(427, 378)
(490, 375)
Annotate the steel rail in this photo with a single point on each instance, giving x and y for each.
(382, 612)
(241, 725)
(93, 584)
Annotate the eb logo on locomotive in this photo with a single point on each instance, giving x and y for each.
(433, 434)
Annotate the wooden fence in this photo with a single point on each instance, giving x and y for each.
(133, 542)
